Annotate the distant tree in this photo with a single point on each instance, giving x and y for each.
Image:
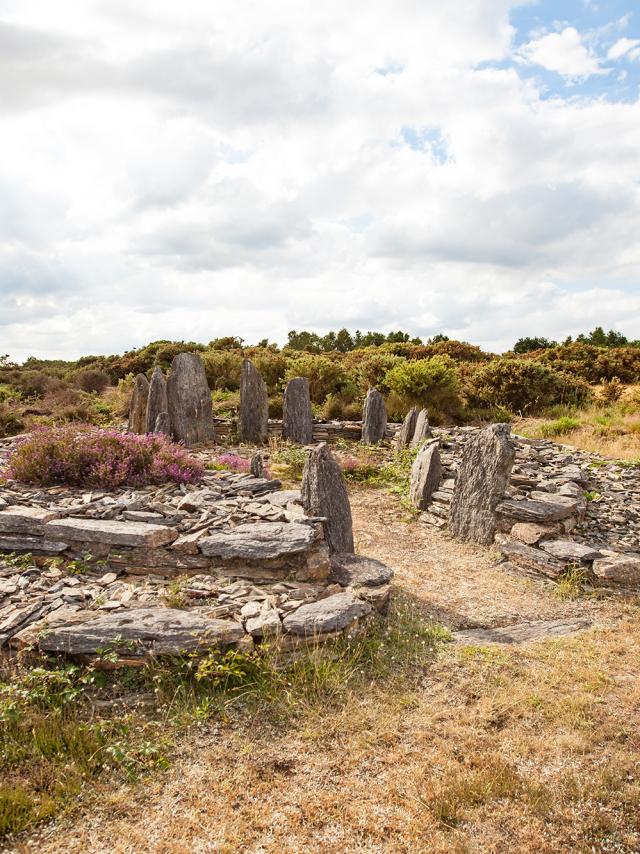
(600, 338)
(328, 342)
(264, 343)
(307, 341)
(527, 345)
(228, 342)
(437, 339)
(398, 337)
(373, 339)
(344, 341)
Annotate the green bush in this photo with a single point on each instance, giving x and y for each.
(560, 427)
(326, 376)
(427, 382)
(90, 379)
(223, 368)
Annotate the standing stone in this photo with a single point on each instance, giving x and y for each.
(253, 418)
(157, 399)
(324, 493)
(374, 418)
(422, 430)
(425, 474)
(257, 465)
(297, 420)
(408, 429)
(189, 400)
(163, 424)
(138, 405)
(482, 478)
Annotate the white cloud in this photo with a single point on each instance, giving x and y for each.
(622, 47)
(563, 52)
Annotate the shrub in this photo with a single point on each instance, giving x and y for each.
(91, 379)
(459, 351)
(272, 366)
(326, 376)
(427, 382)
(223, 368)
(338, 408)
(370, 367)
(88, 457)
(10, 423)
(231, 462)
(611, 391)
(560, 427)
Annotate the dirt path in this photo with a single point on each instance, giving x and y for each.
(522, 749)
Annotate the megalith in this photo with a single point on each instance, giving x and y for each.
(422, 431)
(156, 400)
(374, 418)
(297, 419)
(189, 400)
(324, 493)
(253, 417)
(426, 472)
(405, 435)
(257, 465)
(483, 475)
(162, 425)
(138, 405)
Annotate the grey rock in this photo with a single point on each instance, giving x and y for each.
(26, 543)
(531, 533)
(374, 418)
(324, 493)
(258, 541)
(426, 472)
(422, 430)
(156, 399)
(29, 520)
(144, 631)
(569, 550)
(265, 624)
(356, 571)
(257, 465)
(138, 405)
(111, 531)
(621, 569)
(189, 400)
(521, 632)
(532, 559)
(297, 419)
(253, 416)
(163, 424)
(483, 475)
(332, 614)
(534, 511)
(405, 434)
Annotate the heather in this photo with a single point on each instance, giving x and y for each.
(85, 456)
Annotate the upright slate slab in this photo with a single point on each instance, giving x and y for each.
(138, 405)
(156, 400)
(297, 419)
(426, 472)
(163, 424)
(189, 400)
(408, 428)
(253, 417)
(324, 493)
(482, 478)
(374, 418)
(422, 431)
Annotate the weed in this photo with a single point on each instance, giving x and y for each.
(571, 583)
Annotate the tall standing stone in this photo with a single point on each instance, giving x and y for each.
(297, 419)
(138, 405)
(163, 424)
(374, 418)
(426, 472)
(408, 428)
(422, 430)
(483, 475)
(324, 493)
(189, 400)
(157, 399)
(253, 418)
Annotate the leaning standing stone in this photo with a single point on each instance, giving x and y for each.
(297, 420)
(253, 418)
(482, 478)
(157, 399)
(189, 400)
(324, 493)
(138, 405)
(374, 418)
(408, 429)
(425, 474)
(422, 430)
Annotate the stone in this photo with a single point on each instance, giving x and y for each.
(422, 430)
(374, 418)
(531, 559)
(256, 541)
(142, 632)
(25, 520)
(405, 434)
(521, 632)
(332, 614)
(426, 472)
(163, 424)
(351, 570)
(324, 494)
(156, 399)
(257, 465)
(265, 624)
(111, 531)
(253, 415)
(529, 510)
(482, 478)
(189, 400)
(569, 550)
(621, 569)
(531, 533)
(297, 418)
(138, 405)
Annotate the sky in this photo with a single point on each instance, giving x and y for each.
(188, 170)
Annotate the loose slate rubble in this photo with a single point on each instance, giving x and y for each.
(138, 405)
(324, 495)
(189, 401)
(157, 404)
(253, 414)
(374, 418)
(297, 419)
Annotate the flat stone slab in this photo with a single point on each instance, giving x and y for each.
(112, 532)
(531, 559)
(259, 541)
(529, 510)
(569, 550)
(521, 632)
(619, 569)
(25, 543)
(142, 632)
(356, 571)
(25, 520)
(328, 615)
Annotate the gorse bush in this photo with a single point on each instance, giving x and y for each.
(88, 457)
(325, 375)
(427, 382)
